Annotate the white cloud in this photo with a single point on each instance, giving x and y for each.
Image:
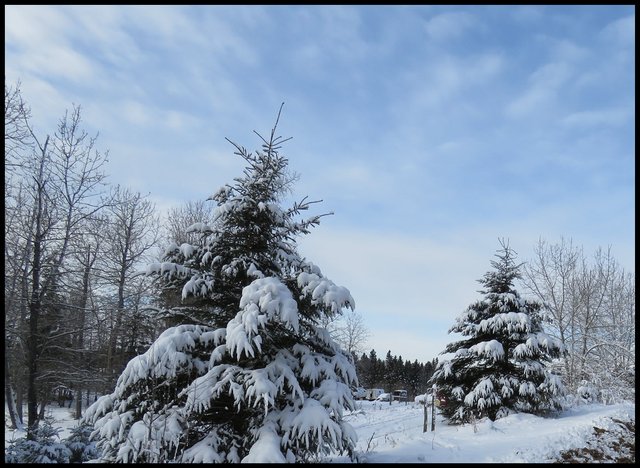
(551, 75)
(177, 121)
(37, 38)
(326, 39)
(622, 32)
(46, 101)
(565, 50)
(444, 78)
(145, 115)
(400, 135)
(598, 118)
(448, 26)
(31, 27)
(408, 272)
(402, 284)
(544, 84)
(103, 29)
(136, 113)
(528, 102)
(527, 13)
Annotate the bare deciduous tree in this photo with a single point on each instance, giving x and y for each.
(590, 306)
(179, 218)
(352, 333)
(59, 187)
(133, 232)
(16, 129)
(17, 140)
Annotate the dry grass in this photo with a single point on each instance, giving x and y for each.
(606, 446)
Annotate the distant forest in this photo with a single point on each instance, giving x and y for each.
(394, 373)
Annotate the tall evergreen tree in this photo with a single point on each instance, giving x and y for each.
(363, 369)
(501, 364)
(377, 369)
(247, 373)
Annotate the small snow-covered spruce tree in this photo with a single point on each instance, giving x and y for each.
(81, 448)
(247, 374)
(501, 366)
(42, 448)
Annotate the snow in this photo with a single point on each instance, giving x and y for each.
(262, 300)
(187, 250)
(267, 448)
(492, 349)
(199, 227)
(168, 269)
(324, 291)
(394, 434)
(169, 352)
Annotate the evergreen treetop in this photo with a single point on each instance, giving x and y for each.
(501, 364)
(247, 374)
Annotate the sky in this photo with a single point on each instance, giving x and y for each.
(394, 434)
(429, 131)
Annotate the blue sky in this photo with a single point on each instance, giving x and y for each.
(430, 131)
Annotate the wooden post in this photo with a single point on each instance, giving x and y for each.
(433, 408)
(424, 424)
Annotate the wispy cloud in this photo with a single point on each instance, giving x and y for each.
(448, 26)
(544, 85)
(429, 130)
(599, 118)
(621, 32)
(39, 41)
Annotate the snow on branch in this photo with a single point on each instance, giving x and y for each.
(326, 292)
(263, 300)
(492, 349)
(168, 354)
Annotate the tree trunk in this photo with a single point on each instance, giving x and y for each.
(120, 311)
(43, 405)
(19, 402)
(32, 340)
(16, 423)
(35, 305)
(81, 322)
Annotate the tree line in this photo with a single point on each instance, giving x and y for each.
(394, 373)
(74, 301)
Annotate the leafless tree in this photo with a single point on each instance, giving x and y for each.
(179, 218)
(16, 129)
(350, 331)
(17, 245)
(87, 249)
(590, 306)
(56, 188)
(133, 233)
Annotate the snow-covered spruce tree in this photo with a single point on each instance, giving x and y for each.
(81, 448)
(247, 374)
(42, 448)
(501, 366)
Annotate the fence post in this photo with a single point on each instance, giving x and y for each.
(433, 408)
(424, 424)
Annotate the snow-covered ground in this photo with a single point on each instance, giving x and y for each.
(394, 434)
